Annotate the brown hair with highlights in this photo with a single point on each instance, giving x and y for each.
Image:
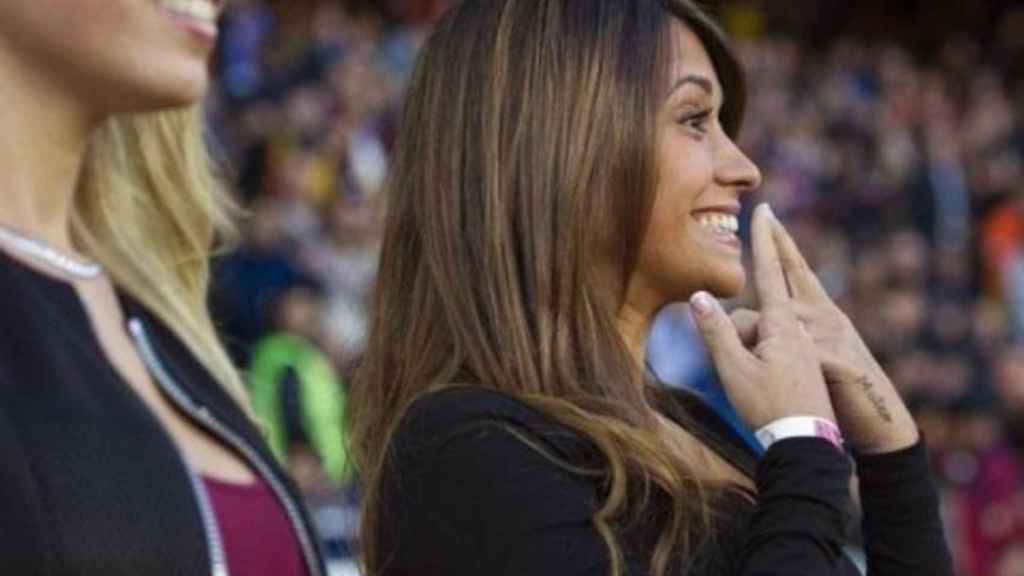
(525, 159)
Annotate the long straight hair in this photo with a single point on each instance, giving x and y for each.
(526, 158)
(150, 207)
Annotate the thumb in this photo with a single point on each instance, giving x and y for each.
(719, 333)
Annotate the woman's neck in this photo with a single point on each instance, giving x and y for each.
(43, 133)
(634, 326)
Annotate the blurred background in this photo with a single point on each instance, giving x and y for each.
(889, 139)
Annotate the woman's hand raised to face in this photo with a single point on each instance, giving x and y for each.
(779, 374)
(871, 414)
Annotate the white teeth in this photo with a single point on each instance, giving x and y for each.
(718, 222)
(199, 9)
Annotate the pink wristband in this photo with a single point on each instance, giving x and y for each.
(799, 427)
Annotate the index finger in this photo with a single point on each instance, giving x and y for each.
(768, 276)
(801, 278)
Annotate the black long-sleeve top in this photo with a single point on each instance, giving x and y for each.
(463, 494)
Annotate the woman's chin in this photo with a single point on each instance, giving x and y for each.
(723, 282)
(180, 87)
(727, 285)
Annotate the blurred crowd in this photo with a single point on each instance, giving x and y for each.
(899, 171)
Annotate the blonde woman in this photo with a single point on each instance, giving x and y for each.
(126, 446)
(565, 169)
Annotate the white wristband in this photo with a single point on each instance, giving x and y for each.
(799, 426)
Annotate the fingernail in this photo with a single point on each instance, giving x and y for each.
(771, 212)
(702, 303)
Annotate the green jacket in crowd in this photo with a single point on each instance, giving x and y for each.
(321, 395)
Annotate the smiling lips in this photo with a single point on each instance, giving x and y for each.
(722, 227)
(719, 223)
(198, 15)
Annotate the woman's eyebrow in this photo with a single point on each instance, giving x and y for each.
(702, 81)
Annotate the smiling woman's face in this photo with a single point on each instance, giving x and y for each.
(113, 56)
(691, 242)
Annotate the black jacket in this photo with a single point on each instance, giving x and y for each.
(90, 482)
(463, 494)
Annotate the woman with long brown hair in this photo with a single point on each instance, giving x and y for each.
(566, 169)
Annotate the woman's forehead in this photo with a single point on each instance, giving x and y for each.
(689, 57)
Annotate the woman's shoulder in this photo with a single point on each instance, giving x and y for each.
(442, 413)
(464, 412)
(475, 469)
(457, 405)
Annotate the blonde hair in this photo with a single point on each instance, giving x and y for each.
(150, 208)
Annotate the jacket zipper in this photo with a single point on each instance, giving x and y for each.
(214, 540)
(211, 528)
(200, 413)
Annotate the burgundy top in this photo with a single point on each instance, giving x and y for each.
(258, 538)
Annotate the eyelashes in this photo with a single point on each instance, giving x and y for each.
(697, 121)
